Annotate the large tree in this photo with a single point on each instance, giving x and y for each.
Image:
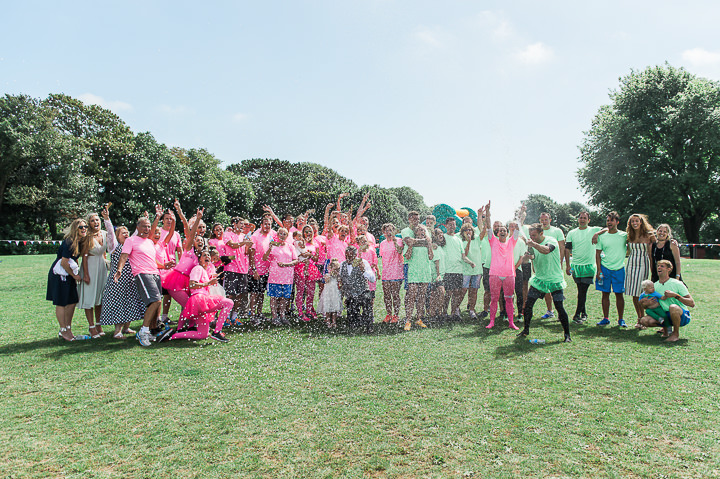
(656, 148)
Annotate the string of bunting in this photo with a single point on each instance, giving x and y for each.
(699, 244)
(25, 242)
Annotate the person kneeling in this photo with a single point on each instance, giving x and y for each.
(201, 306)
(675, 300)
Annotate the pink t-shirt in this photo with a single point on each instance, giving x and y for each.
(141, 253)
(173, 243)
(392, 261)
(371, 258)
(371, 239)
(161, 256)
(199, 275)
(319, 242)
(282, 254)
(503, 263)
(188, 260)
(336, 248)
(261, 244)
(241, 263)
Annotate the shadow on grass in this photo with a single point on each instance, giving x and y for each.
(522, 346)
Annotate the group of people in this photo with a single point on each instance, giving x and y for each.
(223, 279)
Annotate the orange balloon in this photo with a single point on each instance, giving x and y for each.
(462, 213)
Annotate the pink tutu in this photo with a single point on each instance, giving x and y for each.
(201, 307)
(176, 281)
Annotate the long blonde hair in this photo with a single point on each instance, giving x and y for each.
(72, 234)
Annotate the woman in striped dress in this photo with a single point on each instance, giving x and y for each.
(640, 239)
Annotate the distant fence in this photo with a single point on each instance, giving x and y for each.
(34, 246)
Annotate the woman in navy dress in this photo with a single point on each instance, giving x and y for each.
(62, 288)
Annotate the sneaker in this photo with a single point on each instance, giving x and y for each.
(548, 315)
(472, 314)
(483, 315)
(145, 338)
(621, 323)
(420, 323)
(394, 319)
(284, 321)
(219, 336)
(567, 339)
(164, 336)
(156, 334)
(388, 318)
(276, 322)
(584, 317)
(408, 325)
(305, 318)
(604, 322)
(577, 319)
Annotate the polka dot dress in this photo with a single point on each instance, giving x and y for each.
(120, 301)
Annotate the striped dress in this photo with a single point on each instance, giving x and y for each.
(637, 269)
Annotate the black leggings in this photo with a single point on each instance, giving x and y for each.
(562, 315)
(582, 297)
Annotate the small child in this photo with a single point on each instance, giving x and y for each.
(330, 302)
(649, 299)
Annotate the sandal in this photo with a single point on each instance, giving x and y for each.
(93, 336)
(640, 326)
(119, 335)
(128, 331)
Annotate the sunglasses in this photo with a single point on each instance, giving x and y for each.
(84, 227)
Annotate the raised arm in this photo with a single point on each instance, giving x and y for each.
(326, 219)
(270, 211)
(186, 227)
(190, 238)
(158, 214)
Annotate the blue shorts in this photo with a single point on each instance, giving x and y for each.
(471, 281)
(279, 290)
(684, 319)
(405, 273)
(613, 280)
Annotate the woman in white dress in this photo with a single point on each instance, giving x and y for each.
(94, 273)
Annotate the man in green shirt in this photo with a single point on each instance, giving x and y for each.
(549, 230)
(582, 266)
(675, 302)
(547, 279)
(408, 238)
(610, 261)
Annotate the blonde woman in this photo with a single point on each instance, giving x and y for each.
(94, 272)
(640, 238)
(62, 288)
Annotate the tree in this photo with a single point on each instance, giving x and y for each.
(292, 187)
(656, 148)
(411, 200)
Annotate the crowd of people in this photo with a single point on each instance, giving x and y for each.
(220, 278)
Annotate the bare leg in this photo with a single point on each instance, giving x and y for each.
(472, 299)
(605, 304)
(549, 302)
(620, 304)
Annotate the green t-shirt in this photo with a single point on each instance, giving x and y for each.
(406, 233)
(613, 247)
(554, 232)
(520, 249)
(674, 285)
(453, 254)
(474, 255)
(583, 251)
(548, 276)
(419, 266)
(486, 252)
(438, 255)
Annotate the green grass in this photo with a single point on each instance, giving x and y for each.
(451, 401)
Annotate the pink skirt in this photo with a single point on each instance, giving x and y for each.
(201, 307)
(176, 281)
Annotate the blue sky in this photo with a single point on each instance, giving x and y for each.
(464, 101)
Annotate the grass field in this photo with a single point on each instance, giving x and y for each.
(454, 400)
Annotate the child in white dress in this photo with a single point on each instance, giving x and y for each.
(330, 302)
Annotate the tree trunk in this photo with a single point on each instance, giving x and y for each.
(3, 184)
(692, 226)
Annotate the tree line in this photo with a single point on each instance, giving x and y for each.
(654, 149)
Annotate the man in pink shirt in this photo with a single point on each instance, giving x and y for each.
(236, 272)
(259, 268)
(140, 251)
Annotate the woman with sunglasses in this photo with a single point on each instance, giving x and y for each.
(63, 278)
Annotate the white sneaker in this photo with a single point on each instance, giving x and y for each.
(472, 314)
(144, 338)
